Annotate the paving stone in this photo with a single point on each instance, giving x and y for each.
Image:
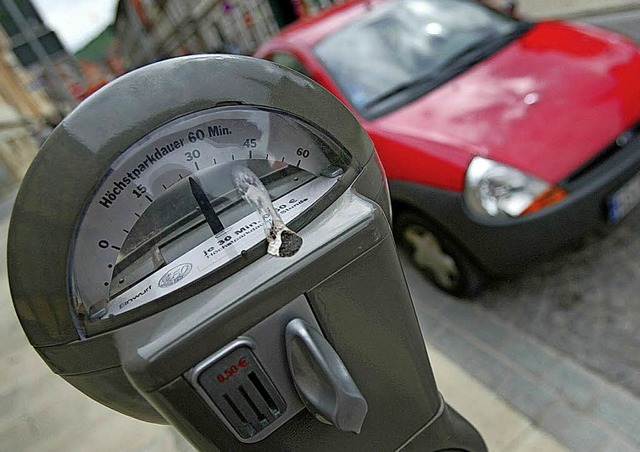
(461, 310)
(584, 303)
(452, 343)
(126, 435)
(622, 412)
(576, 431)
(42, 422)
(466, 315)
(619, 446)
(535, 441)
(491, 332)
(10, 342)
(504, 427)
(526, 395)
(580, 387)
(485, 367)
(430, 324)
(488, 369)
(529, 355)
(18, 398)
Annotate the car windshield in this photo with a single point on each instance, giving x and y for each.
(407, 44)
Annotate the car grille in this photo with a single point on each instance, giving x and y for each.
(621, 142)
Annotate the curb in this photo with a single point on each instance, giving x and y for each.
(579, 408)
(595, 12)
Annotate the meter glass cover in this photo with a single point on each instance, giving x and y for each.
(167, 213)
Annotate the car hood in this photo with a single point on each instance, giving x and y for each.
(546, 103)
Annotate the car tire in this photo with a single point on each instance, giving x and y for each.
(437, 256)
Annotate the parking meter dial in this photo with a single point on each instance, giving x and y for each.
(168, 212)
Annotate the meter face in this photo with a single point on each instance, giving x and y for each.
(167, 214)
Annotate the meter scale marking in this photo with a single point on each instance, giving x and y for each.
(218, 250)
(215, 230)
(221, 148)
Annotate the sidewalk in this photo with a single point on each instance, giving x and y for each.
(569, 9)
(39, 411)
(502, 428)
(577, 407)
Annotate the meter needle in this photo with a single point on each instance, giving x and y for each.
(206, 208)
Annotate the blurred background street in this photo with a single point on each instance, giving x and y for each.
(559, 344)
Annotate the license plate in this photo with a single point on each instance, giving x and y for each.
(624, 200)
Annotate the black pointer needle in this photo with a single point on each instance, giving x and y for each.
(205, 206)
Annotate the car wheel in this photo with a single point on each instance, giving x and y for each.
(437, 256)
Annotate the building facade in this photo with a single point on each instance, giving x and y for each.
(37, 79)
(152, 30)
(25, 111)
(23, 118)
(39, 50)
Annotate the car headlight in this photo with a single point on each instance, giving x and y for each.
(500, 191)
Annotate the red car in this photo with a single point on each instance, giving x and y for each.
(502, 139)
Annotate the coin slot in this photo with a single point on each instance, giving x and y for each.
(234, 408)
(244, 394)
(253, 378)
(259, 414)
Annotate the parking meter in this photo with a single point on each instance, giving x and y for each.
(206, 242)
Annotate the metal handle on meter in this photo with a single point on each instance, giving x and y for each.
(206, 242)
(322, 380)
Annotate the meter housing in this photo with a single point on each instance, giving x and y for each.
(142, 278)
